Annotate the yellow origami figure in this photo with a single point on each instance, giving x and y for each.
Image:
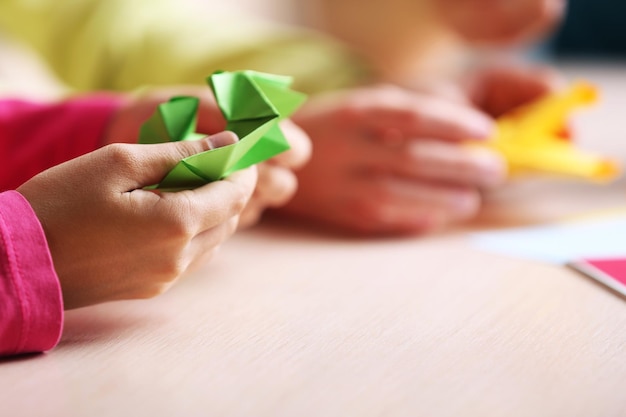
(531, 140)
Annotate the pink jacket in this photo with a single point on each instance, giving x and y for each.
(34, 137)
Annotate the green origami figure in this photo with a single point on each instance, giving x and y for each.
(252, 103)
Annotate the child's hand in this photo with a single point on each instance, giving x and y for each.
(112, 240)
(276, 183)
(498, 89)
(499, 21)
(386, 160)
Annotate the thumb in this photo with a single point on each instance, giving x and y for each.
(146, 165)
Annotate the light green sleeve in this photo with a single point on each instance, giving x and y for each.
(125, 44)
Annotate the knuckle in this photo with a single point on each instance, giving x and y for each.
(121, 155)
(179, 218)
(180, 228)
(177, 225)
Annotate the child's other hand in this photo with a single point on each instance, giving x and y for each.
(112, 240)
(386, 160)
(277, 181)
(500, 21)
(498, 89)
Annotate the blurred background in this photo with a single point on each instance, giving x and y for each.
(396, 38)
(592, 29)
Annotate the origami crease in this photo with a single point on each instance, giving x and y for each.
(252, 103)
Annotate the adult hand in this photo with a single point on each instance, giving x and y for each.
(386, 160)
(110, 239)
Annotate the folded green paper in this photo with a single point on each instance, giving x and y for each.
(252, 103)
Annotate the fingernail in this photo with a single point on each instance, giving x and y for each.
(222, 139)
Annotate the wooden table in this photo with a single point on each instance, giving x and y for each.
(289, 322)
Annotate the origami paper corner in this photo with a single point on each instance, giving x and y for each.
(172, 121)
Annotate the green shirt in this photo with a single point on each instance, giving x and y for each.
(125, 44)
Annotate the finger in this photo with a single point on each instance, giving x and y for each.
(205, 245)
(440, 162)
(300, 147)
(215, 203)
(275, 186)
(250, 215)
(400, 205)
(500, 89)
(406, 195)
(418, 116)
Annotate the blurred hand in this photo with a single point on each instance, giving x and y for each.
(500, 21)
(386, 160)
(499, 89)
(276, 182)
(112, 240)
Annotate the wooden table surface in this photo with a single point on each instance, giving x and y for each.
(295, 323)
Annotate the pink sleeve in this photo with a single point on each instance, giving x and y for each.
(31, 306)
(37, 136)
